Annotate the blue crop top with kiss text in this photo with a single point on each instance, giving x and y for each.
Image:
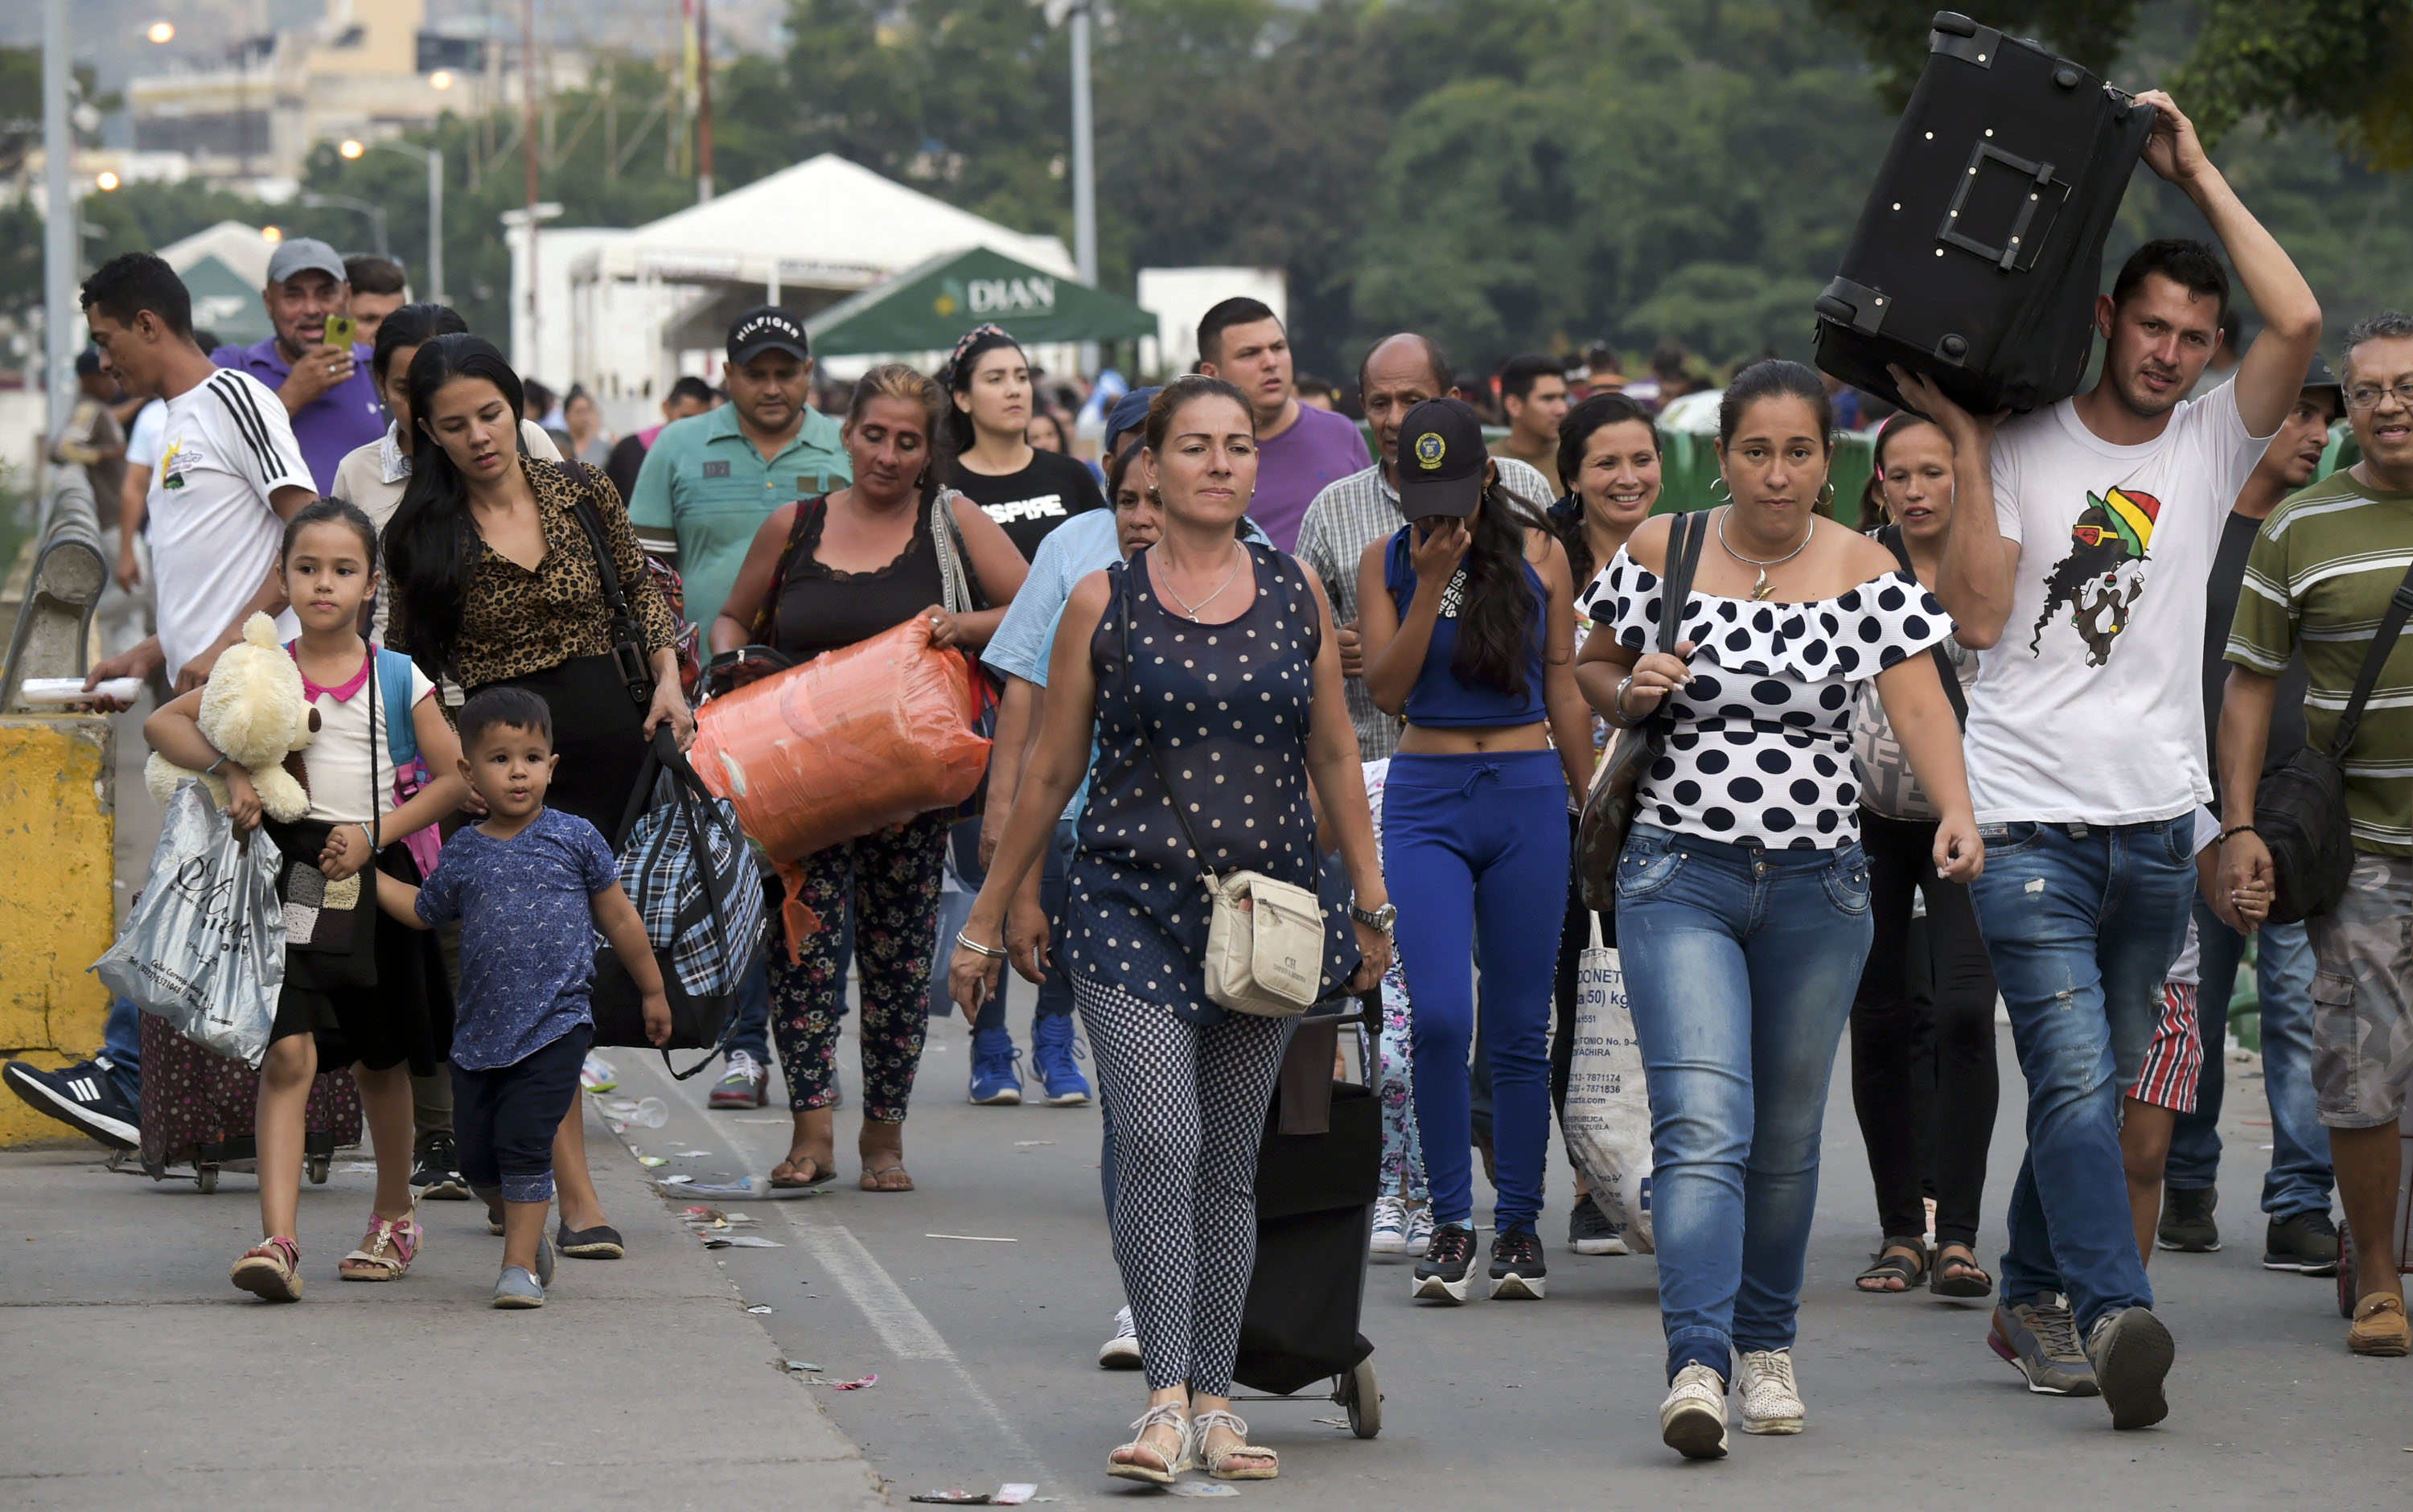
(1442, 700)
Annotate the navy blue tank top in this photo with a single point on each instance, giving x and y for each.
(1227, 710)
(1439, 701)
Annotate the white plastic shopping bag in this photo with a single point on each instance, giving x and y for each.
(204, 946)
(1607, 1119)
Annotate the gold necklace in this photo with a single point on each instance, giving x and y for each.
(1762, 588)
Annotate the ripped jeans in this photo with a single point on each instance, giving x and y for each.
(2082, 922)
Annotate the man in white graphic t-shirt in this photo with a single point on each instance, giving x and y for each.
(2077, 567)
(225, 478)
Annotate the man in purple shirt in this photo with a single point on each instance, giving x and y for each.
(327, 390)
(1300, 448)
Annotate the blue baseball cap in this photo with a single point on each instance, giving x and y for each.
(1129, 412)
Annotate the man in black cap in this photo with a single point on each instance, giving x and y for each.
(2299, 1235)
(708, 483)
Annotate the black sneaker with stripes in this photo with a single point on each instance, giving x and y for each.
(1448, 1265)
(1517, 1272)
(84, 1097)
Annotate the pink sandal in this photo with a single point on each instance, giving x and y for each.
(386, 1250)
(271, 1270)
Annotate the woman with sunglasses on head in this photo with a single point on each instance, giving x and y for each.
(1923, 1074)
(1206, 670)
(1742, 893)
(1466, 620)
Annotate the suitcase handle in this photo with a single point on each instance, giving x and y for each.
(2006, 256)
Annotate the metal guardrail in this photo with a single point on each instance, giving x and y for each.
(52, 634)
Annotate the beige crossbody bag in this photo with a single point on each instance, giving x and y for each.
(1265, 940)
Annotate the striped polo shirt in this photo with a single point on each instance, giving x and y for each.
(2319, 577)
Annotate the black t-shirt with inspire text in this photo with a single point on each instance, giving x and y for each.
(1028, 504)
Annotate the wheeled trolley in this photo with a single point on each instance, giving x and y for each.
(199, 1108)
(1318, 1173)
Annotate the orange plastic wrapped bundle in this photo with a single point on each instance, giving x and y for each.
(851, 742)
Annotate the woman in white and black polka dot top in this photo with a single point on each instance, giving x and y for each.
(1742, 895)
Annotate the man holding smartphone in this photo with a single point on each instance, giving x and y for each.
(319, 372)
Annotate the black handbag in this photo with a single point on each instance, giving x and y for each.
(628, 652)
(2300, 809)
(1608, 806)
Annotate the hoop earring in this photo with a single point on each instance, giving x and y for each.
(1719, 492)
(1825, 499)
(1156, 496)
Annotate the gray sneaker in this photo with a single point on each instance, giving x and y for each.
(2039, 1340)
(2131, 1351)
(516, 1288)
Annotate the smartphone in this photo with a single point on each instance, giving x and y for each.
(342, 331)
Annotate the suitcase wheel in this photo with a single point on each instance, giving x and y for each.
(317, 1166)
(205, 1175)
(2346, 1274)
(1361, 1399)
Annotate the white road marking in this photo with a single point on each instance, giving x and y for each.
(903, 1327)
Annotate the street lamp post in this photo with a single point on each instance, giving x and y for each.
(61, 254)
(345, 202)
(354, 148)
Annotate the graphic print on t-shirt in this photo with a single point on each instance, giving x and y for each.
(2109, 543)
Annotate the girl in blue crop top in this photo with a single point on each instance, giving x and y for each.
(1467, 627)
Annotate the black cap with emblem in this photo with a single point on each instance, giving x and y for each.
(768, 328)
(1441, 460)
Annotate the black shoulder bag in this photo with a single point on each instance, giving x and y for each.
(1609, 808)
(628, 651)
(2300, 809)
(1890, 538)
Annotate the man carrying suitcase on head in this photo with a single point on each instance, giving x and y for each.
(2076, 566)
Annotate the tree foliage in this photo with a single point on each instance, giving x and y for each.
(1500, 174)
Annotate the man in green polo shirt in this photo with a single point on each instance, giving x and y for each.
(2319, 578)
(712, 478)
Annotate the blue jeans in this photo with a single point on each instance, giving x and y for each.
(120, 1040)
(1474, 848)
(2300, 1177)
(1739, 967)
(2082, 922)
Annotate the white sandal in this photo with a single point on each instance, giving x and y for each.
(1165, 1414)
(1219, 1462)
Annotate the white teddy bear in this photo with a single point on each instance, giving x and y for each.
(253, 709)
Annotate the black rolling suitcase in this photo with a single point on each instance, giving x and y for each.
(1980, 253)
(1318, 1173)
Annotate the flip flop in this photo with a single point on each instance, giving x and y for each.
(822, 1176)
(873, 1179)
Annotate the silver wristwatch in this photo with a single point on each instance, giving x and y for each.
(1381, 918)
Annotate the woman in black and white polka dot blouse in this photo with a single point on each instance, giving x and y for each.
(1742, 895)
(1211, 662)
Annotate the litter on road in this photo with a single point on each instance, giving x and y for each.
(804, 1367)
(740, 1242)
(760, 1308)
(850, 1385)
(972, 1238)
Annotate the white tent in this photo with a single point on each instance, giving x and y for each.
(805, 237)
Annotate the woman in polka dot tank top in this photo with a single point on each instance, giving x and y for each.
(1742, 895)
(1232, 684)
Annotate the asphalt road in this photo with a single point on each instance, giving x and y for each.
(980, 1301)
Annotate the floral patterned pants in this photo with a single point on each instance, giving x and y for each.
(1403, 1156)
(892, 879)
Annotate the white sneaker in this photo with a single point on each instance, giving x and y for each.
(1390, 1226)
(1693, 1419)
(1121, 1352)
(1420, 1228)
(1771, 1404)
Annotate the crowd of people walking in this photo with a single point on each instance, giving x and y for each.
(2004, 740)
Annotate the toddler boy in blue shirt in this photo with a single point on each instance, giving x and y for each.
(530, 886)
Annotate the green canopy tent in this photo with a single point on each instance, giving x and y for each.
(925, 308)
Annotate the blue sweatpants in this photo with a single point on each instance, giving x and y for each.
(1475, 850)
